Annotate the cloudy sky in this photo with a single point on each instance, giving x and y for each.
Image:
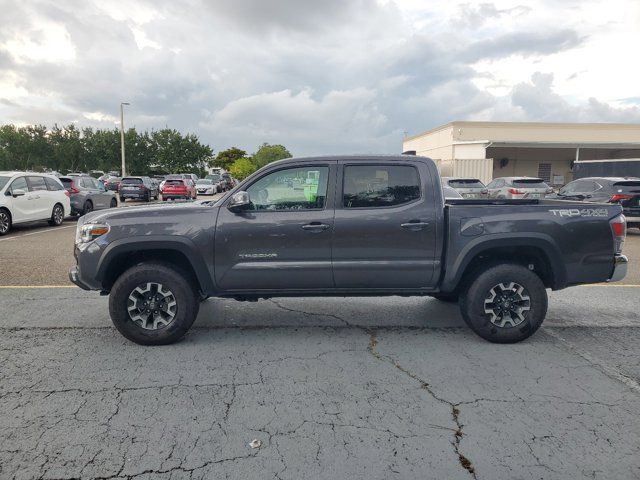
(317, 76)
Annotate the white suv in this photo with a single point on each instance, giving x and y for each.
(28, 197)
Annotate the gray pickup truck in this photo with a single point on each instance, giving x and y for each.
(346, 226)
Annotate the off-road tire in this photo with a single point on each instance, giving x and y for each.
(472, 303)
(186, 297)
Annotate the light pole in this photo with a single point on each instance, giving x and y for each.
(122, 104)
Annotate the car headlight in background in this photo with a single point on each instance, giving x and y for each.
(90, 231)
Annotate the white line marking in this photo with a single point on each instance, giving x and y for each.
(52, 229)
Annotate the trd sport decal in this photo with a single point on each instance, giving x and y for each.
(580, 212)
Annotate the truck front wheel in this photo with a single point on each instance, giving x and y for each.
(504, 303)
(153, 304)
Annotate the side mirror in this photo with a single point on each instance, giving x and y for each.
(239, 201)
(18, 192)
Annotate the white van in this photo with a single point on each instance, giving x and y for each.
(29, 197)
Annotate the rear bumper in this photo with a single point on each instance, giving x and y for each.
(620, 263)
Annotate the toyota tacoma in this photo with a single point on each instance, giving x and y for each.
(346, 226)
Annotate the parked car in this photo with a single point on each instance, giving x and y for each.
(113, 183)
(341, 237)
(205, 186)
(217, 180)
(518, 187)
(140, 188)
(450, 192)
(88, 194)
(467, 187)
(27, 197)
(624, 191)
(228, 181)
(174, 189)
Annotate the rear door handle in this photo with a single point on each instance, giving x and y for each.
(415, 225)
(315, 226)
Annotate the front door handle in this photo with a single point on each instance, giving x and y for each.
(415, 225)
(315, 226)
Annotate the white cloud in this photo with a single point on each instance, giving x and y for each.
(340, 75)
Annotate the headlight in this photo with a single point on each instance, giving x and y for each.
(90, 231)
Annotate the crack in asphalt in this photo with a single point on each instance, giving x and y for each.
(608, 370)
(311, 314)
(455, 411)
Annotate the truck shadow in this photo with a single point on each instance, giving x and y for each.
(367, 312)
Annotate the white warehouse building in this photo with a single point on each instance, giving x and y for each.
(487, 150)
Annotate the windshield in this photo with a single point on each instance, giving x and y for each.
(627, 186)
(204, 181)
(466, 183)
(213, 178)
(67, 182)
(132, 181)
(3, 181)
(530, 183)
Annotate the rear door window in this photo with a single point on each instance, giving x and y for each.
(36, 183)
(375, 186)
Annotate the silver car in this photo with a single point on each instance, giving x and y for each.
(87, 194)
(466, 187)
(205, 186)
(518, 187)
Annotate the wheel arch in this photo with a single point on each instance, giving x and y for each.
(179, 253)
(538, 252)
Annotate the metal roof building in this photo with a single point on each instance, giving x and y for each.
(487, 150)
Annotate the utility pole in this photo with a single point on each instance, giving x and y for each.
(122, 104)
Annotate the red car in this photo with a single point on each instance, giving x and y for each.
(173, 189)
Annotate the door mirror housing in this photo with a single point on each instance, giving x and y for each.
(18, 192)
(239, 201)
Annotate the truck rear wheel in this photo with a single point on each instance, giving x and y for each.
(504, 303)
(153, 304)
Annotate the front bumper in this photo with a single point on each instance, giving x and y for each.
(620, 263)
(74, 276)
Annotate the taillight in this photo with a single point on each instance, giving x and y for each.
(619, 231)
(515, 191)
(73, 188)
(616, 197)
(66, 192)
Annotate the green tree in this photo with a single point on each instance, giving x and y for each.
(67, 149)
(227, 157)
(242, 168)
(269, 153)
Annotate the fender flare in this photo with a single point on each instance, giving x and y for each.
(537, 240)
(158, 242)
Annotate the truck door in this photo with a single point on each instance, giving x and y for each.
(283, 241)
(385, 226)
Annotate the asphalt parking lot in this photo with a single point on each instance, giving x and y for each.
(331, 387)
